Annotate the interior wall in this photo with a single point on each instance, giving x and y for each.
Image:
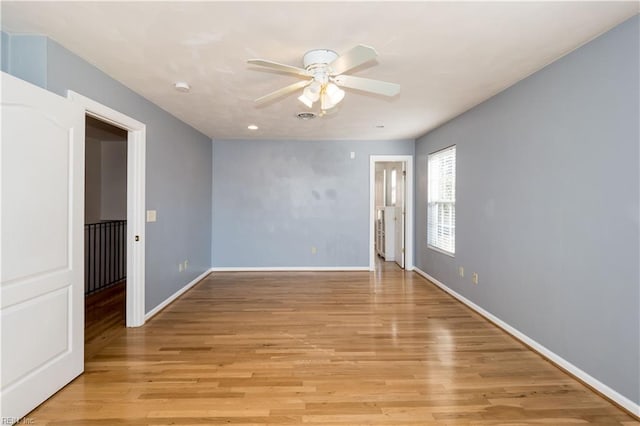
(4, 51)
(548, 207)
(92, 180)
(379, 187)
(277, 200)
(25, 56)
(105, 172)
(390, 167)
(178, 164)
(384, 186)
(113, 194)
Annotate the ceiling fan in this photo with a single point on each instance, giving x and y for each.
(323, 75)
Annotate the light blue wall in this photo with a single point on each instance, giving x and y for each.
(274, 200)
(25, 56)
(178, 166)
(548, 207)
(178, 183)
(4, 54)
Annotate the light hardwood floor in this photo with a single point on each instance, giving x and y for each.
(104, 318)
(321, 348)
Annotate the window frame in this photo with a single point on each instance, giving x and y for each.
(394, 186)
(435, 204)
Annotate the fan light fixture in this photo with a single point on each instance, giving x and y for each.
(323, 75)
(328, 94)
(332, 95)
(311, 93)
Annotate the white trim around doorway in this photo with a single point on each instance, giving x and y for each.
(409, 208)
(136, 163)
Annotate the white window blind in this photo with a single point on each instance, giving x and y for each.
(441, 210)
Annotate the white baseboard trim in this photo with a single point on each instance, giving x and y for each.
(290, 269)
(605, 390)
(175, 295)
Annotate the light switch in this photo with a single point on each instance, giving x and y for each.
(151, 215)
(352, 155)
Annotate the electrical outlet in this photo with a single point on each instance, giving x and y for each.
(474, 278)
(314, 250)
(180, 267)
(186, 263)
(461, 271)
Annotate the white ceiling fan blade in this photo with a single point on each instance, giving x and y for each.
(368, 85)
(284, 91)
(278, 67)
(354, 57)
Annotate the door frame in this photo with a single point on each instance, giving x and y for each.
(408, 207)
(136, 163)
(401, 257)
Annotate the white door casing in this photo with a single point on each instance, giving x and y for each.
(400, 217)
(136, 154)
(408, 203)
(41, 259)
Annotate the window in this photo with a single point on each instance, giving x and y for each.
(441, 210)
(384, 187)
(394, 186)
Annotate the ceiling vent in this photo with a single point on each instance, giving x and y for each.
(306, 115)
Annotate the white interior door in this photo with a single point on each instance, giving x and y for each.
(41, 278)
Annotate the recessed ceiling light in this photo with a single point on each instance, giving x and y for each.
(182, 86)
(252, 127)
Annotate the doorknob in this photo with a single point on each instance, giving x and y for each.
(137, 238)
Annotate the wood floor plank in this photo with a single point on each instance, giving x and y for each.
(320, 348)
(104, 318)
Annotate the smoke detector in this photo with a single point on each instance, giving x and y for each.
(182, 86)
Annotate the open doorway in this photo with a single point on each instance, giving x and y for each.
(105, 233)
(391, 212)
(135, 201)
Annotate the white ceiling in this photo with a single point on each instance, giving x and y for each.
(447, 56)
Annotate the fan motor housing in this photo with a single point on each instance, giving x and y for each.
(318, 56)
